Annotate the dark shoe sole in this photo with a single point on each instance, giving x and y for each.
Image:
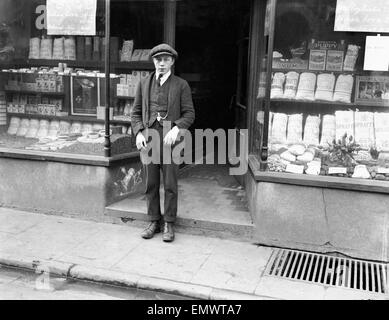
(168, 239)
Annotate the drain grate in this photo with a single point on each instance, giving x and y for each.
(329, 270)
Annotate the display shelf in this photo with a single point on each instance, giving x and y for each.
(356, 72)
(87, 64)
(71, 118)
(58, 94)
(335, 103)
(125, 97)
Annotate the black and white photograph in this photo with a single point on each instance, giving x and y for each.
(194, 158)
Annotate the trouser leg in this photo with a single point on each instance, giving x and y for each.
(152, 191)
(170, 173)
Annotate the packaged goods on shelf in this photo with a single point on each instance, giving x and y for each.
(291, 83)
(136, 55)
(70, 48)
(46, 49)
(127, 49)
(312, 130)
(14, 125)
(64, 127)
(96, 49)
(53, 129)
(80, 48)
(34, 50)
(307, 156)
(344, 124)
(364, 129)
(33, 128)
(88, 48)
(297, 149)
(334, 60)
(59, 49)
(43, 130)
(344, 88)
(325, 87)
(381, 128)
(23, 128)
(351, 57)
(306, 87)
(361, 172)
(328, 131)
(86, 128)
(144, 74)
(76, 127)
(295, 128)
(278, 132)
(145, 56)
(277, 86)
(317, 59)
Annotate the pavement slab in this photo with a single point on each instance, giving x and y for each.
(192, 266)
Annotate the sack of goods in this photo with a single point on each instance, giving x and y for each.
(312, 130)
(128, 47)
(23, 128)
(70, 48)
(325, 87)
(344, 88)
(306, 87)
(43, 130)
(328, 131)
(58, 49)
(364, 129)
(277, 86)
(13, 126)
(35, 44)
(278, 131)
(46, 49)
(295, 128)
(33, 128)
(53, 129)
(291, 83)
(344, 124)
(381, 125)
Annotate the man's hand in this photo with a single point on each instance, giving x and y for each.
(171, 136)
(140, 141)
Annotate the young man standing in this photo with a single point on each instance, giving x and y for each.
(162, 99)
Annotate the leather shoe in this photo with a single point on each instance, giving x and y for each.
(151, 229)
(168, 232)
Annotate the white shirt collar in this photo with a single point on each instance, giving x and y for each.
(164, 77)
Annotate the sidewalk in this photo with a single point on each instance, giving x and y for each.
(192, 266)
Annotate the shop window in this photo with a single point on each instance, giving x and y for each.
(329, 90)
(52, 87)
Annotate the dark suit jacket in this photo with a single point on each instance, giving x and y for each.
(180, 105)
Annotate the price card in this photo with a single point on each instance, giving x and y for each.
(337, 170)
(376, 53)
(292, 168)
(382, 170)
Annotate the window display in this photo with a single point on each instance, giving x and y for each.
(52, 87)
(328, 116)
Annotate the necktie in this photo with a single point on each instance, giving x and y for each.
(159, 79)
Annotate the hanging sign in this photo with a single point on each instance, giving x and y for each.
(362, 15)
(376, 53)
(71, 17)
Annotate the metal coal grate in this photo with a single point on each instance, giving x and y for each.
(329, 270)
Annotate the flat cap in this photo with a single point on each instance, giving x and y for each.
(163, 48)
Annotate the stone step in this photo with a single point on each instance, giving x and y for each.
(199, 220)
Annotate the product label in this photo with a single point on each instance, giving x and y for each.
(337, 170)
(317, 59)
(383, 170)
(292, 168)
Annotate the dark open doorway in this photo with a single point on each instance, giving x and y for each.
(208, 35)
